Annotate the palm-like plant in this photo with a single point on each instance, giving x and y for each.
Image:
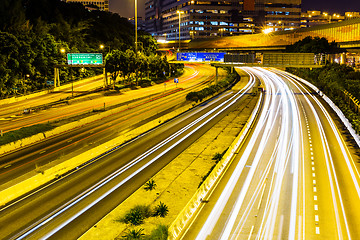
(134, 234)
(150, 185)
(161, 210)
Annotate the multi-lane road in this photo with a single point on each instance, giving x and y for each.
(63, 208)
(135, 108)
(294, 178)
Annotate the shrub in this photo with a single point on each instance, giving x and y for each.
(134, 234)
(161, 210)
(159, 233)
(24, 132)
(137, 215)
(150, 185)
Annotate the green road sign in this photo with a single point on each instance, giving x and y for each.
(85, 58)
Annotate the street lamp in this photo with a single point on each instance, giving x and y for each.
(179, 12)
(192, 33)
(282, 25)
(136, 26)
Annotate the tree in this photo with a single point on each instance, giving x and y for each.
(116, 64)
(314, 45)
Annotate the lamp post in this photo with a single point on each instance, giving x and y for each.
(136, 26)
(179, 12)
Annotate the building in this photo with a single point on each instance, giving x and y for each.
(282, 14)
(102, 5)
(140, 23)
(210, 18)
(314, 18)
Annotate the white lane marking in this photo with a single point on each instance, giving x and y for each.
(9, 165)
(251, 232)
(316, 218)
(316, 207)
(313, 168)
(313, 174)
(317, 230)
(315, 197)
(314, 189)
(42, 152)
(312, 163)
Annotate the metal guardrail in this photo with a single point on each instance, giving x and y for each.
(182, 220)
(353, 101)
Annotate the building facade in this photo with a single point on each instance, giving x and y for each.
(103, 5)
(282, 14)
(209, 18)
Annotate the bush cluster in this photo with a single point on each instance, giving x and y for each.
(213, 89)
(24, 132)
(139, 213)
(333, 79)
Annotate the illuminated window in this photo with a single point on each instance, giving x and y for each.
(224, 23)
(214, 23)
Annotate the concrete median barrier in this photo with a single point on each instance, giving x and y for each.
(42, 177)
(188, 212)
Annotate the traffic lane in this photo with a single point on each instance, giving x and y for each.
(78, 227)
(345, 196)
(76, 141)
(209, 203)
(319, 207)
(331, 178)
(8, 109)
(101, 131)
(127, 155)
(280, 193)
(170, 100)
(13, 123)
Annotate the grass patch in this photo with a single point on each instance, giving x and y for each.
(217, 157)
(24, 132)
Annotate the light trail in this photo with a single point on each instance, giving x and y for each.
(210, 115)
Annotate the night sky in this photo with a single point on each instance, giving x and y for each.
(126, 7)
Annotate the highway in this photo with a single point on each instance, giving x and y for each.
(49, 106)
(295, 177)
(70, 205)
(135, 108)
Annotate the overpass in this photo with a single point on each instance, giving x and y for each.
(345, 33)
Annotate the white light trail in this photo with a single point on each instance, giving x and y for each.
(210, 114)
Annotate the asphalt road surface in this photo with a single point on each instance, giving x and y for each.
(294, 178)
(69, 206)
(137, 107)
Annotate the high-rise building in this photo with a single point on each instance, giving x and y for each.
(198, 19)
(206, 18)
(102, 5)
(282, 14)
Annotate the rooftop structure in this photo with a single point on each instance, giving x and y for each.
(102, 5)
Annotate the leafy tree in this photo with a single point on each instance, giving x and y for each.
(314, 45)
(148, 43)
